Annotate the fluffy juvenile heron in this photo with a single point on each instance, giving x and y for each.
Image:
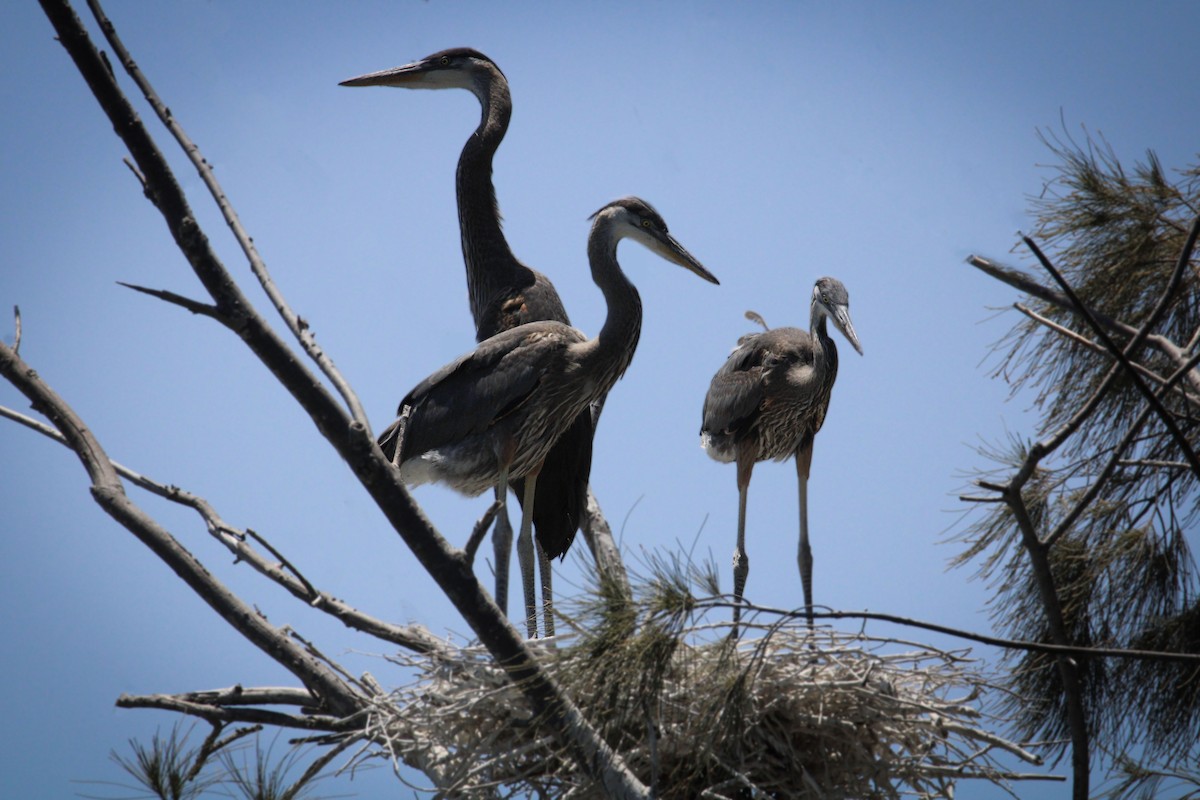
(767, 401)
(503, 293)
(494, 414)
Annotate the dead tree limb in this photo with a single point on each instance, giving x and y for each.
(298, 327)
(107, 489)
(1123, 355)
(1024, 283)
(413, 637)
(351, 438)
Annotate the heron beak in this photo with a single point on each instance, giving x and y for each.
(408, 75)
(670, 249)
(841, 319)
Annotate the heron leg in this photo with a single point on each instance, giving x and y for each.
(547, 572)
(525, 556)
(502, 535)
(741, 561)
(804, 554)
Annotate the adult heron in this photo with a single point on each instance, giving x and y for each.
(494, 414)
(503, 293)
(767, 401)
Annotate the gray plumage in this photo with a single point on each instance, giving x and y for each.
(496, 412)
(503, 293)
(769, 400)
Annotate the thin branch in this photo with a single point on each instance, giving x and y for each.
(1083, 341)
(1123, 356)
(207, 748)
(230, 714)
(982, 638)
(1046, 446)
(350, 438)
(314, 769)
(1101, 480)
(299, 328)
(599, 537)
(257, 695)
(997, 742)
(109, 493)
(213, 743)
(309, 589)
(412, 637)
(194, 306)
(141, 179)
(1022, 282)
(1154, 463)
(480, 530)
(973, 498)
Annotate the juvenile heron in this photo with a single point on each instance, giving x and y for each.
(494, 414)
(767, 401)
(503, 293)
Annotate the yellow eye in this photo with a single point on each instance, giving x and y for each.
(645, 223)
(445, 61)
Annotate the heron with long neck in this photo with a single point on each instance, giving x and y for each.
(503, 294)
(495, 414)
(768, 401)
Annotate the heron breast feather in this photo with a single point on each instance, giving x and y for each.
(799, 375)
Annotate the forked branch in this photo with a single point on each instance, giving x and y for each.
(109, 493)
(349, 436)
(304, 335)
(1123, 356)
(281, 571)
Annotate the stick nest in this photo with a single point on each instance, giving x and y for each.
(782, 712)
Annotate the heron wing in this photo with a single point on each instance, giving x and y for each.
(762, 366)
(736, 390)
(473, 392)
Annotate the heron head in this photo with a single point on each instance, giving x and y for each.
(634, 218)
(831, 299)
(456, 68)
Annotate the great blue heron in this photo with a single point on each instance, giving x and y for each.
(504, 293)
(495, 413)
(767, 401)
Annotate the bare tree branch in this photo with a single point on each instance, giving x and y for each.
(982, 638)
(413, 637)
(194, 306)
(599, 538)
(213, 743)
(1067, 668)
(480, 529)
(227, 714)
(1098, 484)
(1022, 282)
(1083, 341)
(349, 437)
(1122, 356)
(314, 769)
(110, 495)
(299, 328)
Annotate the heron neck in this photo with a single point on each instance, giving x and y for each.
(490, 262)
(613, 348)
(826, 349)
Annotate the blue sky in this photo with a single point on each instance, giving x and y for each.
(879, 143)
